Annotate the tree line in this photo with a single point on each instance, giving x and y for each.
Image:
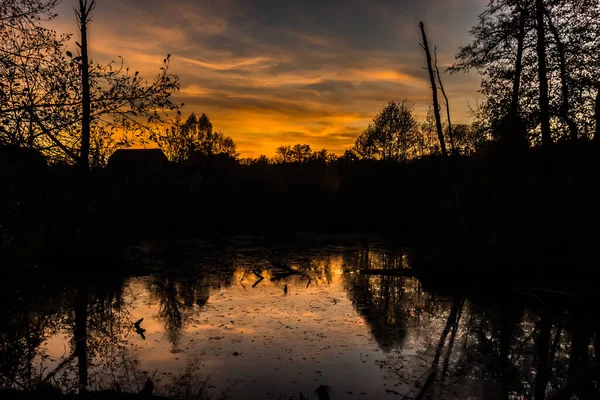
(394, 135)
(539, 62)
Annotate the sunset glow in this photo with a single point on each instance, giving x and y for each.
(272, 74)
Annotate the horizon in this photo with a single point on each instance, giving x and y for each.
(271, 76)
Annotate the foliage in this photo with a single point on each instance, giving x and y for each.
(494, 54)
(41, 96)
(392, 136)
(195, 137)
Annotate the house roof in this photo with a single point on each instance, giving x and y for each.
(137, 156)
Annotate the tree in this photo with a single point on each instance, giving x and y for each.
(283, 154)
(439, 80)
(28, 58)
(301, 153)
(436, 107)
(428, 143)
(392, 135)
(498, 51)
(564, 109)
(42, 94)
(194, 137)
(505, 51)
(83, 17)
(324, 155)
(469, 139)
(541, 53)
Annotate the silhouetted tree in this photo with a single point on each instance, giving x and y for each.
(262, 159)
(298, 153)
(439, 80)
(436, 107)
(564, 108)
(301, 153)
(195, 137)
(28, 58)
(42, 93)
(428, 143)
(324, 155)
(83, 17)
(468, 138)
(541, 53)
(505, 51)
(392, 136)
(283, 154)
(497, 51)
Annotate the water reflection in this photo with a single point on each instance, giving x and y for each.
(260, 322)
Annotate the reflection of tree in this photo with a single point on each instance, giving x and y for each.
(386, 302)
(500, 345)
(172, 310)
(94, 316)
(22, 336)
(179, 290)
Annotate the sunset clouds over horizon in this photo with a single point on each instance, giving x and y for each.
(269, 73)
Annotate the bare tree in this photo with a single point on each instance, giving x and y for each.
(83, 17)
(436, 107)
(439, 79)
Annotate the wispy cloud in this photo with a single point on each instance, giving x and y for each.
(270, 73)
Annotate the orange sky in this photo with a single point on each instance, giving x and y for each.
(269, 74)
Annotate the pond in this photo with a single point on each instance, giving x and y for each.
(264, 318)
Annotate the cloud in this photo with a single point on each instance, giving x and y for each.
(270, 73)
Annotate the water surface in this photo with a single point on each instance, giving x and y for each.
(257, 318)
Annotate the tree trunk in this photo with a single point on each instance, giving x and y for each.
(505, 336)
(457, 305)
(84, 11)
(436, 107)
(541, 52)
(514, 105)
(439, 78)
(543, 356)
(564, 108)
(579, 357)
(80, 336)
(597, 118)
(452, 339)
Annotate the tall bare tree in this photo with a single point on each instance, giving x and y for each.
(436, 106)
(439, 79)
(83, 17)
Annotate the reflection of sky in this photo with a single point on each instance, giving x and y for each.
(353, 332)
(270, 73)
(255, 341)
(286, 344)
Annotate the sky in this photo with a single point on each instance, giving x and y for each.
(278, 72)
